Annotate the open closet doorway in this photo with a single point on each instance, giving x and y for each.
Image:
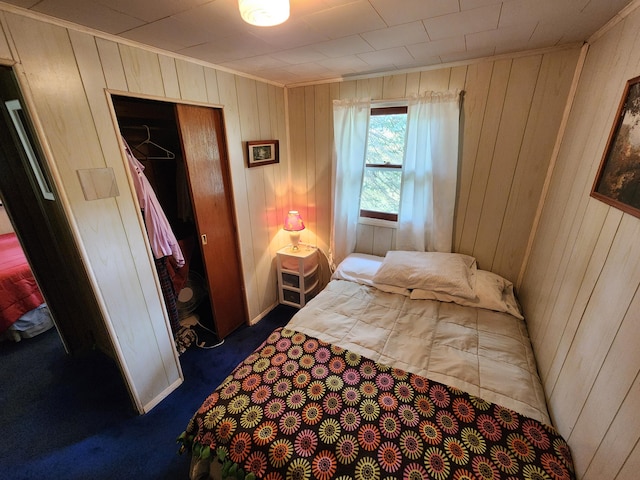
(182, 150)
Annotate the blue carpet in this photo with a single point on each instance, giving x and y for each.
(71, 418)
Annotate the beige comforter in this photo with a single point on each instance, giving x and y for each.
(485, 353)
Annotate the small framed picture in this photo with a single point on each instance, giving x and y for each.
(262, 152)
(618, 179)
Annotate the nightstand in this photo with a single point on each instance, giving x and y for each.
(298, 275)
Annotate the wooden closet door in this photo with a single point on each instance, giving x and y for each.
(205, 153)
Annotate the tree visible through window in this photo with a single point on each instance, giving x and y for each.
(380, 197)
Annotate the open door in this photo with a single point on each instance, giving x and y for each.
(203, 143)
(37, 214)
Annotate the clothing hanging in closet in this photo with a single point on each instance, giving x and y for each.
(161, 236)
(164, 244)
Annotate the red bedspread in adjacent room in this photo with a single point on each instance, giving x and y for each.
(19, 292)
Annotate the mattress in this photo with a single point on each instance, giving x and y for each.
(482, 352)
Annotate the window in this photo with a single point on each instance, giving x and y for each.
(380, 197)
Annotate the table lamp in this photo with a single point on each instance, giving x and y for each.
(293, 224)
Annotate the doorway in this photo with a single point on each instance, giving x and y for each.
(183, 151)
(37, 215)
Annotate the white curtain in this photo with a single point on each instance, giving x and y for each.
(429, 173)
(350, 128)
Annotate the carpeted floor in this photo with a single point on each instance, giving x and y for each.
(71, 418)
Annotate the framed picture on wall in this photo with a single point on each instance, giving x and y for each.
(262, 152)
(618, 180)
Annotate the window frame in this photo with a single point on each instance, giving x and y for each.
(383, 110)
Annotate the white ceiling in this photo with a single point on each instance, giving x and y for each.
(328, 39)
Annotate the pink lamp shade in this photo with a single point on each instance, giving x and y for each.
(293, 224)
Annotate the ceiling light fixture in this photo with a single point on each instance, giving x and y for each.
(264, 13)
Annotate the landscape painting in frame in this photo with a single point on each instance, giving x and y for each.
(262, 152)
(618, 179)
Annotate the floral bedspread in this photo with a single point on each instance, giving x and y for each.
(299, 408)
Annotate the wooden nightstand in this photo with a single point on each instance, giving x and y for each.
(298, 275)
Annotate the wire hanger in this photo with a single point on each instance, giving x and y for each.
(168, 154)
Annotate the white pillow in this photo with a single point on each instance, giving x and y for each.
(358, 267)
(361, 268)
(450, 273)
(493, 293)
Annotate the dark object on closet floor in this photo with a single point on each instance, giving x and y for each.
(193, 333)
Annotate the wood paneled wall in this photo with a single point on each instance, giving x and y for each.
(580, 291)
(511, 114)
(68, 74)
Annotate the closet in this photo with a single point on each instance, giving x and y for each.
(183, 151)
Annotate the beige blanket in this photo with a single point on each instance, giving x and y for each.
(485, 353)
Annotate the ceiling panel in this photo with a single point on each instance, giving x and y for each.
(356, 17)
(168, 33)
(482, 19)
(345, 46)
(392, 56)
(428, 50)
(508, 39)
(413, 10)
(229, 48)
(89, 13)
(397, 36)
(331, 39)
(293, 34)
(147, 10)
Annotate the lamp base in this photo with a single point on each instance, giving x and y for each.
(295, 240)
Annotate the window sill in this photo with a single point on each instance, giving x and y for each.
(376, 222)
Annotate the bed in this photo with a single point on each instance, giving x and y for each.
(413, 365)
(23, 313)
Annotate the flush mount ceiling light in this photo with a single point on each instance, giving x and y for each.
(264, 13)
